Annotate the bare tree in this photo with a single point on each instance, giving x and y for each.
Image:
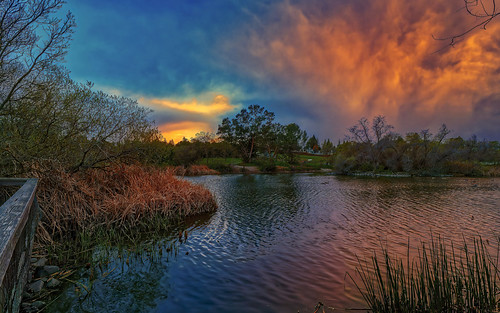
(483, 10)
(31, 41)
(371, 135)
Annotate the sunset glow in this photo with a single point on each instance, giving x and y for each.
(178, 131)
(323, 65)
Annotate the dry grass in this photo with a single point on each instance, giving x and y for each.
(118, 197)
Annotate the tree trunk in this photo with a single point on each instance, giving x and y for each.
(251, 151)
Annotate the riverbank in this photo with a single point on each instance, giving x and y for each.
(119, 204)
(200, 170)
(314, 163)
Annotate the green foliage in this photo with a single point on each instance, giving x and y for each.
(313, 144)
(72, 125)
(266, 164)
(47, 118)
(221, 167)
(248, 130)
(344, 165)
(327, 147)
(289, 141)
(376, 148)
(186, 153)
(466, 168)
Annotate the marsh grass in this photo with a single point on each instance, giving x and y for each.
(438, 280)
(122, 203)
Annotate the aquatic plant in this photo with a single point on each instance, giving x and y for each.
(119, 198)
(437, 280)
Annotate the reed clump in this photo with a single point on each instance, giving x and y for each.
(459, 280)
(117, 199)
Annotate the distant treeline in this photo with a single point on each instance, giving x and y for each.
(253, 136)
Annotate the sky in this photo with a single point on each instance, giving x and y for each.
(322, 64)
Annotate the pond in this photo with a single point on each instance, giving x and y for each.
(281, 243)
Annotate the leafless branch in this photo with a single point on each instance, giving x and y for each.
(485, 14)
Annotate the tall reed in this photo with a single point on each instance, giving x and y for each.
(437, 280)
(118, 198)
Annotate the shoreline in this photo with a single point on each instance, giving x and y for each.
(252, 169)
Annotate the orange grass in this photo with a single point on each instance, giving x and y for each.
(120, 195)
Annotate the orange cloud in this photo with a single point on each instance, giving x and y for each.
(219, 105)
(178, 130)
(379, 59)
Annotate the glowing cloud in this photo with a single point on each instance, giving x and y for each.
(179, 119)
(218, 106)
(377, 57)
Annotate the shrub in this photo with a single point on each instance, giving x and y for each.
(221, 167)
(467, 168)
(344, 165)
(266, 164)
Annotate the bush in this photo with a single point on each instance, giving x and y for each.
(221, 167)
(344, 165)
(466, 168)
(266, 165)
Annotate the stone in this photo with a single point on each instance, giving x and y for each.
(40, 263)
(51, 269)
(40, 272)
(53, 283)
(36, 286)
(33, 260)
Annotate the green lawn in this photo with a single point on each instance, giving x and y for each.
(224, 161)
(315, 161)
(303, 162)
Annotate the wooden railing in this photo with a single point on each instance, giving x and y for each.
(19, 216)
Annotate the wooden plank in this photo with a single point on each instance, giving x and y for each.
(13, 216)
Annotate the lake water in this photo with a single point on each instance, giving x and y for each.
(281, 243)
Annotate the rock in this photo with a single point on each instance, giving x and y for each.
(36, 286)
(40, 263)
(40, 272)
(33, 260)
(53, 283)
(51, 269)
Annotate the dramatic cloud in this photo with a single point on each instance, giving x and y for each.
(322, 64)
(378, 57)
